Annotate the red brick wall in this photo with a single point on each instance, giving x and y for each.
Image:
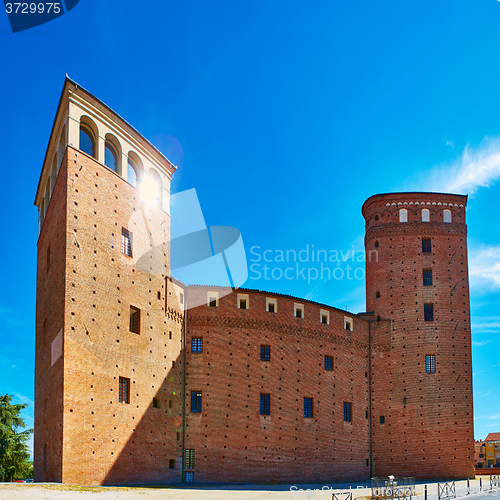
(49, 321)
(428, 429)
(232, 441)
(105, 441)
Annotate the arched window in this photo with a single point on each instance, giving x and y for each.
(111, 156)
(446, 215)
(376, 244)
(132, 173)
(376, 217)
(425, 215)
(87, 139)
(403, 215)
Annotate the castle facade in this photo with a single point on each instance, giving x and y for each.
(140, 379)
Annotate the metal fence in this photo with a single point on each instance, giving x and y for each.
(446, 490)
(401, 488)
(342, 496)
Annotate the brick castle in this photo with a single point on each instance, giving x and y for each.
(134, 386)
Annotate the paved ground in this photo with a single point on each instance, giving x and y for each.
(232, 492)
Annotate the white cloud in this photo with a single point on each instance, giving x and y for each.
(481, 343)
(475, 168)
(484, 267)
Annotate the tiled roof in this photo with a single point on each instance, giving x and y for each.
(493, 436)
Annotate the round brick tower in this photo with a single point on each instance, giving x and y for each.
(417, 288)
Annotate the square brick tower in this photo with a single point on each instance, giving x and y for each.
(417, 286)
(108, 319)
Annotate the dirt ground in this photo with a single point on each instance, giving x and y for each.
(43, 491)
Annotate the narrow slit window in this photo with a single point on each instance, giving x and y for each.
(426, 245)
(430, 363)
(427, 277)
(329, 363)
(156, 403)
(197, 345)
(265, 353)
(124, 390)
(126, 242)
(135, 315)
(347, 412)
(308, 408)
(382, 419)
(265, 404)
(195, 401)
(171, 464)
(428, 312)
(189, 459)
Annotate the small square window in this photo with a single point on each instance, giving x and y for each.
(426, 245)
(195, 401)
(156, 403)
(427, 277)
(430, 363)
(265, 404)
(188, 459)
(308, 408)
(271, 305)
(324, 316)
(135, 316)
(242, 301)
(265, 353)
(124, 390)
(428, 312)
(382, 419)
(126, 242)
(197, 345)
(347, 412)
(348, 323)
(213, 299)
(298, 310)
(329, 363)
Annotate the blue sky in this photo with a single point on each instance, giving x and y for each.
(284, 116)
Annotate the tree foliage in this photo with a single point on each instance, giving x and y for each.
(14, 452)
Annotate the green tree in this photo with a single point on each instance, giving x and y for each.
(14, 452)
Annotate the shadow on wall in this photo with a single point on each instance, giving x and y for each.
(153, 453)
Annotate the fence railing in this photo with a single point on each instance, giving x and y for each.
(342, 496)
(401, 488)
(446, 490)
